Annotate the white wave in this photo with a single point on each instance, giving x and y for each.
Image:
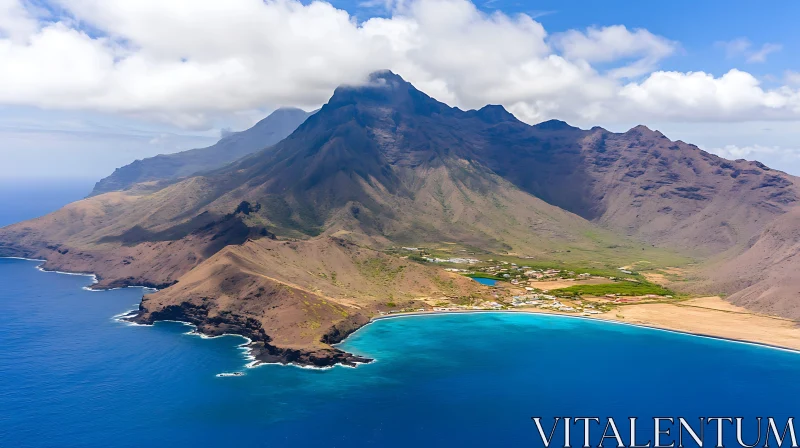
(148, 289)
(23, 258)
(124, 314)
(122, 318)
(229, 374)
(82, 274)
(255, 363)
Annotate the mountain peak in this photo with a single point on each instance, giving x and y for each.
(385, 76)
(554, 125)
(281, 122)
(282, 113)
(642, 130)
(230, 147)
(384, 88)
(494, 113)
(288, 110)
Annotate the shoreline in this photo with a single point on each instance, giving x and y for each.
(597, 319)
(95, 280)
(41, 269)
(253, 362)
(126, 316)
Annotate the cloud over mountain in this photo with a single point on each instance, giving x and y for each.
(785, 155)
(183, 61)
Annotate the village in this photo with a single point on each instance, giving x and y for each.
(516, 286)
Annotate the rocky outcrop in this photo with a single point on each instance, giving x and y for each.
(261, 349)
(315, 358)
(342, 330)
(197, 315)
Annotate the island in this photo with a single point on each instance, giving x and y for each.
(386, 201)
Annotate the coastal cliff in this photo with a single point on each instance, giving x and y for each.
(296, 300)
(260, 348)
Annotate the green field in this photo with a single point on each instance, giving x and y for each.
(621, 288)
(602, 261)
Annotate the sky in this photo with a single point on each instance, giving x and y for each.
(90, 85)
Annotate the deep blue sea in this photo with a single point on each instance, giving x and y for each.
(22, 199)
(72, 376)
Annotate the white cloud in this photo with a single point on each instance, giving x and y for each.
(17, 21)
(742, 47)
(761, 54)
(186, 62)
(735, 47)
(735, 96)
(776, 155)
(614, 43)
(385, 5)
(792, 77)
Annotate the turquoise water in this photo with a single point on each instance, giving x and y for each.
(485, 281)
(73, 376)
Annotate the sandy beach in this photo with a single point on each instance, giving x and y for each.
(711, 316)
(703, 316)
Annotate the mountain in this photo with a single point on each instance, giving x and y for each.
(288, 245)
(409, 163)
(266, 132)
(766, 276)
(676, 195)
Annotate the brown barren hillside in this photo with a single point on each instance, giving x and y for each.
(645, 185)
(296, 298)
(766, 276)
(677, 195)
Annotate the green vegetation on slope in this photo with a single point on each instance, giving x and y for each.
(602, 262)
(379, 269)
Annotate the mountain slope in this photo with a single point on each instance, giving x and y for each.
(251, 247)
(380, 138)
(266, 132)
(642, 184)
(676, 195)
(379, 164)
(766, 276)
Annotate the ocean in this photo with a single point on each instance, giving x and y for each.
(71, 375)
(22, 199)
(74, 376)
